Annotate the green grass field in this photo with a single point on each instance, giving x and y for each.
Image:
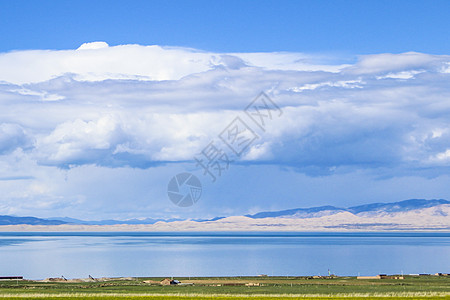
(234, 287)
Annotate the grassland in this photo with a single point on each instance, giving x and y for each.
(422, 287)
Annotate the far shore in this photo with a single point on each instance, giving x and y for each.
(150, 228)
(433, 219)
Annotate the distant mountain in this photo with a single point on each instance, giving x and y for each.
(209, 220)
(406, 205)
(113, 222)
(297, 212)
(372, 209)
(126, 222)
(9, 220)
(412, 214)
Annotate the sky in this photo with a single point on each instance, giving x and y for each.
(102, 103)
(342, 27)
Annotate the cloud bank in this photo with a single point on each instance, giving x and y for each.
(145, 106)
(135, 105)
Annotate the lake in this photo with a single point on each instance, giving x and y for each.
(107, 254)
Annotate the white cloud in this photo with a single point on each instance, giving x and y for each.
(93, 64)
(258, 151)
(93, 46)
(351, 84)
(97, 61)
(400, 75)
(12, 136)
(290, 62)
(344, 116)
(443, 156)
(446, 68)
(45, 96)
(381, 63)
(78, 142)
(102, 108)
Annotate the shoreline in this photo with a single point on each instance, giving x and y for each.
(433, 219)
(151, 228)
(251, 287)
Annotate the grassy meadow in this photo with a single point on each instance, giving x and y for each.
(411, 287)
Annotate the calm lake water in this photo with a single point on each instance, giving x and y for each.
(74, 255)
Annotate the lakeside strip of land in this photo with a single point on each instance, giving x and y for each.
(428, 219)
(261, 287)
(322, 224)
(150, 228)
(408, 215)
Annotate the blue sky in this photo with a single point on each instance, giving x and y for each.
(349, 27)
(102, 103)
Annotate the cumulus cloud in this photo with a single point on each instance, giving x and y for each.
(93, 46)
(103, 129)
(139, 106)
(379, 63)
(13, 136)
(97, 61)
(77, 142)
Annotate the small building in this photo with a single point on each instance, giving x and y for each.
(151, 281)
(252, 284)
(165, 282)
(395, 277)
(11, 278)
(168, 281)
(55, 279)
(369, 277)
(381, 276)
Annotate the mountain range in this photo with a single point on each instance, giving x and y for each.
(367, 209)
(433, 214)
